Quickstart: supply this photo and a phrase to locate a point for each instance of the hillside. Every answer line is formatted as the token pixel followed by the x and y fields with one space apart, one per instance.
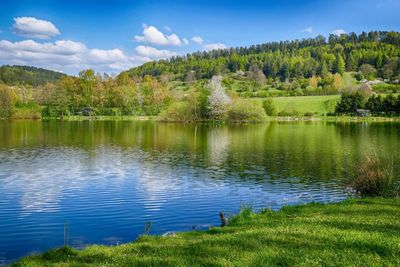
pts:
pixel 28 75
pixel 375 54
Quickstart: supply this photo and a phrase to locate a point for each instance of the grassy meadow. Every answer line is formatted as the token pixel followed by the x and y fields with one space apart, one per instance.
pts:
pixel 356 232
pixel 319 105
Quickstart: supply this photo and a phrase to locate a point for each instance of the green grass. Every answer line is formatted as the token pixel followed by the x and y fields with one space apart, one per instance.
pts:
pixel 356 232
pixel 318 105
pixel 103 118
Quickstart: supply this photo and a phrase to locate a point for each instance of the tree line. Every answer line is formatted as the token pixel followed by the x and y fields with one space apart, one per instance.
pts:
pixel 104 94
pixel 352 102
pixel 376 52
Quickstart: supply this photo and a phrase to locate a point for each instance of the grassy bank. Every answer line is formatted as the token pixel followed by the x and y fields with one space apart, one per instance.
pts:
pixel 335 118
pixel 357 232
pixel 269 118
pixel 103 118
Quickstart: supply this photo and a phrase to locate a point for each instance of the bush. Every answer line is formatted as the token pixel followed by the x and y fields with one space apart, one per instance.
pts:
pixel 110 111
pixel 6 102
pixel 178 112
pixel 386 88
pixel 285 113
pixel 246 111
pixel 372 179
pixel 349 103
pixel 27 112
pixel 269 107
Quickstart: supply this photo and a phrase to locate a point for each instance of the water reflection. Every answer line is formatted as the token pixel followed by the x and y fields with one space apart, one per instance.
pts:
pixel 108 178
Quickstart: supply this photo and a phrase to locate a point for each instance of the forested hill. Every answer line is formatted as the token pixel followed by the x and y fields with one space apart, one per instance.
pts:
pixel 28 75
pixel 289 60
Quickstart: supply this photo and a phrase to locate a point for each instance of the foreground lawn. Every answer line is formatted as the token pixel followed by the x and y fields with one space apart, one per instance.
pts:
pixel 363 232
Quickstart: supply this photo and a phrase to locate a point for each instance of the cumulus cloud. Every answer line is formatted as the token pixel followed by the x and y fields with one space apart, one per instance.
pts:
pixel 34 28
pixel 70 56
pixel 197 39
pixel 308 30
pixel 338 32
pixel 153 36
pixel 106 56
pixel 65 55
pixel 154 53
pixel 214 46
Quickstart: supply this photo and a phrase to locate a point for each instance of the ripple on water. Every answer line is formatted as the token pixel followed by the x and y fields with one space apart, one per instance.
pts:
pixel 106 180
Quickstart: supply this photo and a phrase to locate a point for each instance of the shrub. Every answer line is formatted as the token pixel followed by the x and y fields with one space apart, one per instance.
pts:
pixel 246 111
pixel 27 112
pixel 6 102
pixel 269 107
pixel 178 112
pixel 373 179
pixel 110 111
pixel 285 113
pixel 349 103
pixel 386 88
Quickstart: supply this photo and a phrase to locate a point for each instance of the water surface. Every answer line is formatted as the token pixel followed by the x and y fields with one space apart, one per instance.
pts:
pixel 106 179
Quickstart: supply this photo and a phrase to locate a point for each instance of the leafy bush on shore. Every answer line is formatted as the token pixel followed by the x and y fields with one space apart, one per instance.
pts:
pixel 178 112
pixel 27 112
pixel 269 107
pixel 245 111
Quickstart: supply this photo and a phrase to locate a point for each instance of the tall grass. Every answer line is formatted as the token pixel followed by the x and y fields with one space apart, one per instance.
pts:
pixel 373 178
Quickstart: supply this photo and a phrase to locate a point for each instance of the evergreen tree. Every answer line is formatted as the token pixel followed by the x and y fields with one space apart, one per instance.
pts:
pixel 339 66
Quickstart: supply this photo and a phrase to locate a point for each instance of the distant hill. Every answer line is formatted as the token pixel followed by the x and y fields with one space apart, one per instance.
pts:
pixel 377 52
pixel 28 75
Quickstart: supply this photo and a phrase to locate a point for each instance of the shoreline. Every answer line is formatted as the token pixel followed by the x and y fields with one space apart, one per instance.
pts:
pixel 323 233
pixel 269 119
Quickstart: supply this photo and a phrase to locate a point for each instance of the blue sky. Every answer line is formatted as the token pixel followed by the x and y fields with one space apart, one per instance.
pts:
pixel 111 36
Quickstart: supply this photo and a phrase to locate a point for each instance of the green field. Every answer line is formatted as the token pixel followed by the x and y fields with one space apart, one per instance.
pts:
pixel 357 232
pixel 318 105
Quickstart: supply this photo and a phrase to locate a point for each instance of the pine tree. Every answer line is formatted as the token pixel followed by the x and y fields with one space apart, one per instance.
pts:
pixel 339 66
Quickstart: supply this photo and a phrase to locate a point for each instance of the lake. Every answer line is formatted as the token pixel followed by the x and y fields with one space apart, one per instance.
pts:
pixel 106 179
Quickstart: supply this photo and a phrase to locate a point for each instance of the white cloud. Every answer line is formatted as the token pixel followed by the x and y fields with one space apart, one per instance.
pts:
pixel 154 53
pixel 107 56
pixel 71 56
pixel 214 46
pixel 153 36
pixel 168 29
pixel 197 39
pixel 66 55
pixel 31 51
pixel 35 28
pixel 308 30
pixel 338 32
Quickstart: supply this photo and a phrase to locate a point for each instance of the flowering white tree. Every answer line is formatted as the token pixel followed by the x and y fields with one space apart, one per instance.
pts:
pixel 218 100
